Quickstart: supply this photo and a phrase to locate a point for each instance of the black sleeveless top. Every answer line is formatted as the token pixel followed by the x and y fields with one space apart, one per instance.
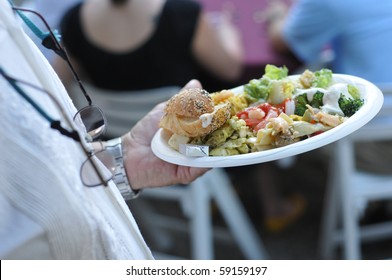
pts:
pixel 164 59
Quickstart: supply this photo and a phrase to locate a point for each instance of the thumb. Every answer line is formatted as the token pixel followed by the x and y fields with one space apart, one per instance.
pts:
pixel 193 84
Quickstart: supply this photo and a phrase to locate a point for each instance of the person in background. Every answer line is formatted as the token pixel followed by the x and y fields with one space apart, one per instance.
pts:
pixel 358 37
pixel 57 199
pixel 358 33
pixel 150 43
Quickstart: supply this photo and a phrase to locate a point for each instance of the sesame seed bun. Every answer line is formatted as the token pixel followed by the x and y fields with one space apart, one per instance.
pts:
pixel 192 113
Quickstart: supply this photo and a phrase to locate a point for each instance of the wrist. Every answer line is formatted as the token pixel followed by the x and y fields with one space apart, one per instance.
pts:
pixel 120 177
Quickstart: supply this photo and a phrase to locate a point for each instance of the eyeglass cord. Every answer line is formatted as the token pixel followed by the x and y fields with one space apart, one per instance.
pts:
pixel 50 40
pixel 53 123
pixel 34 28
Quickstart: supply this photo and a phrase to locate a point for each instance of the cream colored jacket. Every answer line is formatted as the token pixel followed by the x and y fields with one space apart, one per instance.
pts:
pixel 46 212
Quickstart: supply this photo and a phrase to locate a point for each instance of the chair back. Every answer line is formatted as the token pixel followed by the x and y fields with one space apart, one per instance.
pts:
pixel 349 189
pixel 123 109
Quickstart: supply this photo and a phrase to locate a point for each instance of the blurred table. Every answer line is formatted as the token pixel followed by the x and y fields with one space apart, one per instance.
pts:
pixel 248 16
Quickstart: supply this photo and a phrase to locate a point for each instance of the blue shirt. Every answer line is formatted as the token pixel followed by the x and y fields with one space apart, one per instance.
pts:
pixel 358 31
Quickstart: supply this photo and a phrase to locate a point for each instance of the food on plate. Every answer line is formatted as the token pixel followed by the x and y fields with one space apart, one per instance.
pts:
pixel 192 113
pixel 273 111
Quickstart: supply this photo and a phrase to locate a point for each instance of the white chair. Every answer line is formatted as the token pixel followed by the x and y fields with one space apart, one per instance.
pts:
pixel 195 201
pixel 349 190
pixel 122 111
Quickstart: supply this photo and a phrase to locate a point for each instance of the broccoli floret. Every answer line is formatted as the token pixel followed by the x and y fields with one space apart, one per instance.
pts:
pixel 349 106
pixel 317 100
pixel 302 100
pixel 300 104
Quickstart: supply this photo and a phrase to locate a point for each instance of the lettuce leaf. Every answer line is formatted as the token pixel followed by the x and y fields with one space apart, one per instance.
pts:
pixel 275 73
pixel 323 78
pixel 258 89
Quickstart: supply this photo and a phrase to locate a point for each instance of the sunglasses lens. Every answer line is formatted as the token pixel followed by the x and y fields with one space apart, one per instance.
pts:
pixel 103 161
pixel 93 120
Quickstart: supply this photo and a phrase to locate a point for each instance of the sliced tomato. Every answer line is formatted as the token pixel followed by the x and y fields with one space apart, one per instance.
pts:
pixel 263 123
pixel 243 115
pixel 252 122
pixel 260 125
pixel 256 124
pixel 266 107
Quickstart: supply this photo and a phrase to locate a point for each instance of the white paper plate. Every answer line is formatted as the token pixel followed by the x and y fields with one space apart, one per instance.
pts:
pixel 373 100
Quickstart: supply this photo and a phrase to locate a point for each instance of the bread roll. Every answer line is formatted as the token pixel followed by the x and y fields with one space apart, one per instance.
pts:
pixel 192 113
pixel 191 102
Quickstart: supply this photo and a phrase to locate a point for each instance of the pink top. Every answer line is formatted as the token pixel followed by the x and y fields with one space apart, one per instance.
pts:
pixel 249 15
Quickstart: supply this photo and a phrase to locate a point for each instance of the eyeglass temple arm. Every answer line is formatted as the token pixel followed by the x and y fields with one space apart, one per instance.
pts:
pixel 51 42
pixel 77 78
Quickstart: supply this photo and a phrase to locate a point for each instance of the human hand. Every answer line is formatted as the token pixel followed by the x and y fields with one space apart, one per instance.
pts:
pixel 275 15
pixel 275 10
pixel 227 31
pixel 143 168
